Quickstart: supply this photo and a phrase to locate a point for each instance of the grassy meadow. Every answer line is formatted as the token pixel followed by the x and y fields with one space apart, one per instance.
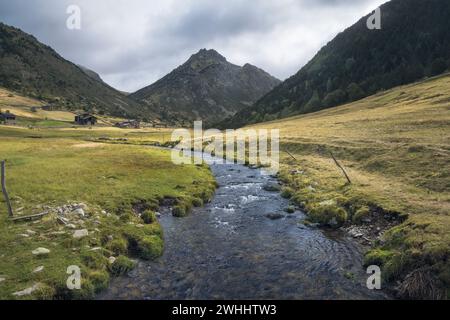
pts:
pixel 118 183
pixel 395 146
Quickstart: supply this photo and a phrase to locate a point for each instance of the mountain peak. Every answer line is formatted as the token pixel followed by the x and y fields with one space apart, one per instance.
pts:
pixel 206 87
pixel 211 54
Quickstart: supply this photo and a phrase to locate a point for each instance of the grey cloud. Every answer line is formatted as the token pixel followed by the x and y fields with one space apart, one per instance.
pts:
pixel 133 43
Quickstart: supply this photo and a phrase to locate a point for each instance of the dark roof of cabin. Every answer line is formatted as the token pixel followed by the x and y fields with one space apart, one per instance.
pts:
pixel 86 116
pixel 7 114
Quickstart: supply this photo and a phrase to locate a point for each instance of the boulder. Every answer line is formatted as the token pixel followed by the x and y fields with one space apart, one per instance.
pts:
pixel 79 212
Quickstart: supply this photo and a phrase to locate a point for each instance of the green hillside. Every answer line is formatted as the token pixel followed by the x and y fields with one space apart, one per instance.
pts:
pixel 359 62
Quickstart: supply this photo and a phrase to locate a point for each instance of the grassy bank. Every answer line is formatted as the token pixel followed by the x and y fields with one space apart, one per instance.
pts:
pixel 395 147
pixel 118 189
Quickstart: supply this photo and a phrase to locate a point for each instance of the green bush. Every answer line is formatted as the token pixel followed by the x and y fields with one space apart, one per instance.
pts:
pixel 360 214
pixel 179 211
pixel 377 257
pixel 121 266
pixel 328 215
pixel 94 260
pixel 150 247
pixel 99 279
pixel 118 246
pixel 182 209
pixel 87 291
pixel 287 192
pixel 197 202
pixel 44 292
pixel 149 217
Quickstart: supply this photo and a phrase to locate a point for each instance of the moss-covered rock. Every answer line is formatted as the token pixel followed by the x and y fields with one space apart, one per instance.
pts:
pixel 328 215
pixel 150 247
pixel 290 209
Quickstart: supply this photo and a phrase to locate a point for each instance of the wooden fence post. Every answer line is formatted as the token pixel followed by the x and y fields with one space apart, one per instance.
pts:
pixel 291 155
pixel 5 193
pixel 342 168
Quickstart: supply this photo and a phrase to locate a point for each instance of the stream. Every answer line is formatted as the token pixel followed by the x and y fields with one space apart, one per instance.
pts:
pixel 229 249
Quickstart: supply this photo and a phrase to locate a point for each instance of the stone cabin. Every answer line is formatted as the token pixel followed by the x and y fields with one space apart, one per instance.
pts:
pixel 7 117
pixel 85 119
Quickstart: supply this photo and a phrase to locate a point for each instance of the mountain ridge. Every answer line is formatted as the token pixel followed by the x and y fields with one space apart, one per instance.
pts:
pixel 359 62
pixel 206 87
pixel 36 70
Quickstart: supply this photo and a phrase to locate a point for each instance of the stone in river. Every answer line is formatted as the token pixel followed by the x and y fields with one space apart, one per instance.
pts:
pixel 272 187
pixel 274 216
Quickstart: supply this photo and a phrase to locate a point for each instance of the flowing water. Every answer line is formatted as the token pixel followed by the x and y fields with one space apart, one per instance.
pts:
pixel 229 249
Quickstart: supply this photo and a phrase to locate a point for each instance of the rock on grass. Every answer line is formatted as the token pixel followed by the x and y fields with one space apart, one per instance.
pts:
pixel 40 251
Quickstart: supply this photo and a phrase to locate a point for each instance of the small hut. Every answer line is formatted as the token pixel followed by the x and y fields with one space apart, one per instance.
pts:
pixel 7 117
pixel 85 119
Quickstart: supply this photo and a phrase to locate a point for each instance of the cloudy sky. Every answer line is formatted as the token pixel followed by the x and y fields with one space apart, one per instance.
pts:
pixel 132 43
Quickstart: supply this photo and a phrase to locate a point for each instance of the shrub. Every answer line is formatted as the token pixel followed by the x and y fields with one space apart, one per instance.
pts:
pixel 118 246
pixel 328 215
pixel 182 209
pixel 86 292
pixel 121 266
pixel 197 202
pixel 44 292
pixel 94 260
pixel 287 192
pixel 149 217
pixel 99 279
pixel 150 247
pixel 126 217
pixel 360 214
pixel 179 211
pixel 377 257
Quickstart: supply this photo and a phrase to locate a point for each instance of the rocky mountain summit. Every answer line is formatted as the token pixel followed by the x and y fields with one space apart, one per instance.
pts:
pixel 206 87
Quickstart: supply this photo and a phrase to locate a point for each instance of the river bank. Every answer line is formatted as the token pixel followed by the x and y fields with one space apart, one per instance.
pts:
pixel 245 245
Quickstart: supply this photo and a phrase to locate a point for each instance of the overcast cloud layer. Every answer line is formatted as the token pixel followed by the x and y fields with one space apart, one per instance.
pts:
pixel 132 43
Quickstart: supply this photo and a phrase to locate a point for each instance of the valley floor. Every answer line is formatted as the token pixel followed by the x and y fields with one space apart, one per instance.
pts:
pixel 395 147
pixel 101 199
